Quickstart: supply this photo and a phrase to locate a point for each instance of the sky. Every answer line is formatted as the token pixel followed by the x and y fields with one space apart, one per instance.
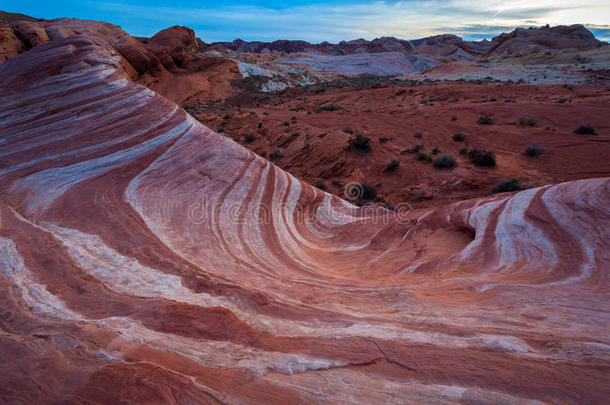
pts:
pixel 316 21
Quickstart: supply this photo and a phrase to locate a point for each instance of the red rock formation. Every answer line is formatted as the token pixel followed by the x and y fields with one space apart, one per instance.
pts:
pixel 196 78
pixel 10 44
pixel 26 34
pixel 544 39
pixel 383 44
pixel 145 258
pixel 450 47
pixel 173 46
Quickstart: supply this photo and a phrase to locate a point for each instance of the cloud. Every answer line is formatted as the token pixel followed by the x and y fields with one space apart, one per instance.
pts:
pixel 348 20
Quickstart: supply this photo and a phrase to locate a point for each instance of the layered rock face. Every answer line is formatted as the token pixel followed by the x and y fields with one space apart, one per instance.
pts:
pixel 28 34
pixel 147 259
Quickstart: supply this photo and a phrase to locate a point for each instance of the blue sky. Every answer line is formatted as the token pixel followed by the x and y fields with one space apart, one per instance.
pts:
pixel 317 21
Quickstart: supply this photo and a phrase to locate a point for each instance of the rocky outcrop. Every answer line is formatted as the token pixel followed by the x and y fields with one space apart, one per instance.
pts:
pixel 7 18
pixel 544 39
pixel 449 47
pixel 137 59
pixel 384 44
pixel 145 258
pixel 173 46
pixel 10 44
pixel 446 46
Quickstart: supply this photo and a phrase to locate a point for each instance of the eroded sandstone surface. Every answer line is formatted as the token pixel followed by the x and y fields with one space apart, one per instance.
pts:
pixel 146 259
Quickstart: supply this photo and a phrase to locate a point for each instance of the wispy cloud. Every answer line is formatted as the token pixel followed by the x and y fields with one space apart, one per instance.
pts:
pixel 348 20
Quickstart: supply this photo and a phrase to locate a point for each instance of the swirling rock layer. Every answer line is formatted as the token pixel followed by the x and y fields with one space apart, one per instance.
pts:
pixel 146 259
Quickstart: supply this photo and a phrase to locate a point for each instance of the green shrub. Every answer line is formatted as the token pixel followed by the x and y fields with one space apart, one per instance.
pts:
pixel 459 137
pixel 482 157
pixel 509 185
pixel 366 191
pixel 415 149
pixel 249 138
pixel 485 121
pixel 526 122
pixel 585 130
pixel 445 162
pixel 534 150
pixel 423 156
pixel 328 108
pixel 276 154
pixel 361 143
pixel 392 165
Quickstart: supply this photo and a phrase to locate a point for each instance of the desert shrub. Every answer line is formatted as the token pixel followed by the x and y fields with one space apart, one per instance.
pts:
pixel 286 123
pixel 454 118
pixel 444 162
pixel 464 151
pixel 348 130
pixel 509 185
pixel 337 183
pixel 436 151
pixel 368 192
pixel 458 137
pixel 361 143
pixel 328 108
pixel 533 150
pixel 423 156
pixel 392 165
pixel 249 138
pixel 415 149
pixel 417 135
pixel 482 157
pixel 260 124
pixel 276 154
pixel 526 122
pixel 321 186
pixel 585 130
pixel 485 121
pixel 562 100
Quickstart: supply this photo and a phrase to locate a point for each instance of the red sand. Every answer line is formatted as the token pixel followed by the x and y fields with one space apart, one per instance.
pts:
pixel 320 153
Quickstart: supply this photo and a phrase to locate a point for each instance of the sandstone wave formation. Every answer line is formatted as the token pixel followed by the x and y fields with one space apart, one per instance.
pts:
pixel 146 259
